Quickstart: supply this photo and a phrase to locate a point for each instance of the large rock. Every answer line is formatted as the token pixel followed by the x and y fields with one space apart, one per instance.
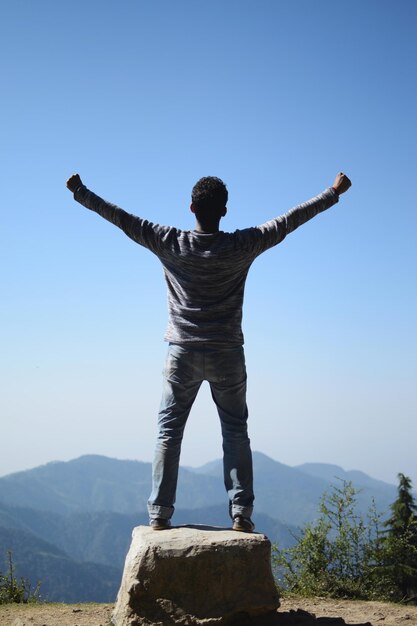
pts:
pixel 194 575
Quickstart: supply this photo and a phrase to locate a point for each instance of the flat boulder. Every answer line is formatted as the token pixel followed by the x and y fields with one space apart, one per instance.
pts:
pixel 195 575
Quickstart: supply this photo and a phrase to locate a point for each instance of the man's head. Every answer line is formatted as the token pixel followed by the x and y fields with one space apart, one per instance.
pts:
pixel 208 199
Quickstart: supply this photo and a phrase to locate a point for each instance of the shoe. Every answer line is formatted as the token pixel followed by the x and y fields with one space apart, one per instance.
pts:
pixel 243 524
pixel 160 523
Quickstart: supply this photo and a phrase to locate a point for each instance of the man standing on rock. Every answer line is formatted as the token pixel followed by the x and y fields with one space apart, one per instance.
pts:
pixel 205 271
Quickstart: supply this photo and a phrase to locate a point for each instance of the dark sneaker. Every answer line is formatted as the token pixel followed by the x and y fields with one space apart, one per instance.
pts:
pixel 243 524
pixel 160 523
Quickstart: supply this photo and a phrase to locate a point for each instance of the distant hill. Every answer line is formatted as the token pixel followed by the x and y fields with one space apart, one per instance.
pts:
pixel 62 578
pixel 41 543
pixel 105 537
pixel 331 473
pixel 369 488
pixel 89 483
pixel 96 483
pixel 69 524
pixel 102 537
pixel 292 494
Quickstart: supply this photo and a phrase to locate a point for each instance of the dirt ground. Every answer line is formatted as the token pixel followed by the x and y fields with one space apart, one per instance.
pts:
pixel 293 612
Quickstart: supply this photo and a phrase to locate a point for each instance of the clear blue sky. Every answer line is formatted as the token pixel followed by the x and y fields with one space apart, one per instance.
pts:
pixel 142 98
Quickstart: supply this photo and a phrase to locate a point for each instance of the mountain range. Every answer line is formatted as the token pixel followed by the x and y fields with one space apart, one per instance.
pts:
pixel 69 524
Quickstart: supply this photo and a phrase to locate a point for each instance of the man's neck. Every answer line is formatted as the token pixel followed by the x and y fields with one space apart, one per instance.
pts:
pixel 207 229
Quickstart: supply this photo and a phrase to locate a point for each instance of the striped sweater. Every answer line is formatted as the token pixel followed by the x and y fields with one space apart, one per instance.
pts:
pixel 206 273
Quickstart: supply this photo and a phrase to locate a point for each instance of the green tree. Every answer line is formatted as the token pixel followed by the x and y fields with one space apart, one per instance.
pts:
pixel 335 556
pixel 399 544
pixel 403 510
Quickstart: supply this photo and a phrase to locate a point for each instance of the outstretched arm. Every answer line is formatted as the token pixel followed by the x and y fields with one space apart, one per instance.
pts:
pixel 143 232
pixel 273 232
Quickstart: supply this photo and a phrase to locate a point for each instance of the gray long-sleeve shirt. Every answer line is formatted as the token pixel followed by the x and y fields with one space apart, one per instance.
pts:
pixel 206 272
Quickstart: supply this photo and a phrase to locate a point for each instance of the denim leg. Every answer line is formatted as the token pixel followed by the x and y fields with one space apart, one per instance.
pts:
pixel 180 387
pixel 228 389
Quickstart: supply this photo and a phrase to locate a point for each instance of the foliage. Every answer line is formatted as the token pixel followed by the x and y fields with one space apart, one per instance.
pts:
pixel 341 555
pixel 335 556
pixel 399 544
pixel 403 510
pixel 13 590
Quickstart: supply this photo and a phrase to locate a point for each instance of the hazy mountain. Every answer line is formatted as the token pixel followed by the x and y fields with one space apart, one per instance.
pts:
pixel 102 537
pixel 292 494
pixel 79 557
pixel 62 578
pixel 98 483
pixel 95 483
pixel 105 537
pixel 69 524
pixel 368 488
pixel 330 473
pixel 89 483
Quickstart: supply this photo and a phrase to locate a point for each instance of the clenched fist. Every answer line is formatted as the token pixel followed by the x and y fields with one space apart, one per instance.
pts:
pixel 341 183
pixel 73 182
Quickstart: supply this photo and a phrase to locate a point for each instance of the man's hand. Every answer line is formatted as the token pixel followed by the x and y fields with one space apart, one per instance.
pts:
pixel 341 183
pixel 74 182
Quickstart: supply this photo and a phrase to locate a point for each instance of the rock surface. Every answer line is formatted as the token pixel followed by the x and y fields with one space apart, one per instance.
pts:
pixel 192 575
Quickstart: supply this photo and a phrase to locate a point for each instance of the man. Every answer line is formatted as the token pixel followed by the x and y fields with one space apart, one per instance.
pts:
pixel 205 271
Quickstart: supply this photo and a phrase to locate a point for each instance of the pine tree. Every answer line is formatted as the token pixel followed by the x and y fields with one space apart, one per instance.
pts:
pixel 403 510
pixel 400 543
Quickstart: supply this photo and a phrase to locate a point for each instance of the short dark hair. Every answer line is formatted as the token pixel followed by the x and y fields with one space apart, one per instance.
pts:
pixel 209 193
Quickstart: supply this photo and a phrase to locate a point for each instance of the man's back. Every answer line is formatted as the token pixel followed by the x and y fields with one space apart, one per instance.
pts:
pixel 205 273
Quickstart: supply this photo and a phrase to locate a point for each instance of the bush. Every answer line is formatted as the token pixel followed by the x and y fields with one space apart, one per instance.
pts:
pixel 335 556
pixel 342 556
pixel 12 590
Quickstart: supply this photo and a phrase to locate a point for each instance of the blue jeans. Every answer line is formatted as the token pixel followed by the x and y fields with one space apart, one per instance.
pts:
pixel 185 369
